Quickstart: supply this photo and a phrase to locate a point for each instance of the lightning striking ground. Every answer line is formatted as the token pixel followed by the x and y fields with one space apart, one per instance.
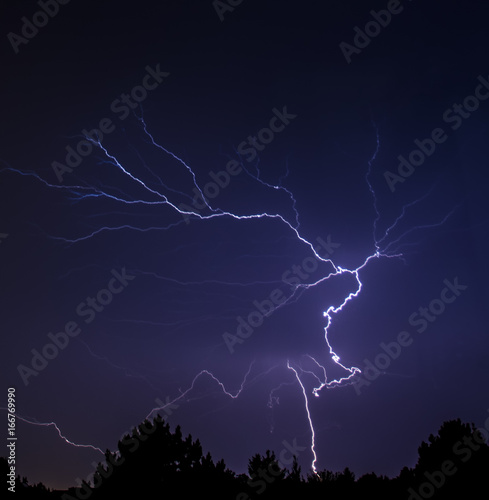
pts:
pixel 155 197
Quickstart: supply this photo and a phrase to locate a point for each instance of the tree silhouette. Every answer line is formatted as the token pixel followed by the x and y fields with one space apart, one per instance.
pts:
pixel 24 490
pixel 453 464
pixel 152 461
pixel 265 475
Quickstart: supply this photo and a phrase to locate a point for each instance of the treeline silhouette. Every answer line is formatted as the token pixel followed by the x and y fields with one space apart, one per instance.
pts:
pixel 154 462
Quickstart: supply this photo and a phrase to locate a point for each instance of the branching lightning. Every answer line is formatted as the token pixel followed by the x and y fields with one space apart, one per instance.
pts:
pixel 213 377
pixel 382 249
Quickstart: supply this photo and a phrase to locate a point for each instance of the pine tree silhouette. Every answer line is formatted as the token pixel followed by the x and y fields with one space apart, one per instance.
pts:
pixel 454 464
pixel 152 461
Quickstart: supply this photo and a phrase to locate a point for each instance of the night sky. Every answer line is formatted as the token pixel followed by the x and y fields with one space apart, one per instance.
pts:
pixel 350 131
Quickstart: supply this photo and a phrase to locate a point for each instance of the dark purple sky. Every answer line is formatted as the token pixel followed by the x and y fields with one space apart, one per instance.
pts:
pixel 309 127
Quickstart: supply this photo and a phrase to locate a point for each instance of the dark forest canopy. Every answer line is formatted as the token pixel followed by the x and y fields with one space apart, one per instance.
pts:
pixel 155 461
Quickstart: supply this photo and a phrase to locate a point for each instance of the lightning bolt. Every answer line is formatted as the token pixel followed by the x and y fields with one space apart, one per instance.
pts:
pixel 53 424
pixel 311 426
pixel 200 374
pixel 159 197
